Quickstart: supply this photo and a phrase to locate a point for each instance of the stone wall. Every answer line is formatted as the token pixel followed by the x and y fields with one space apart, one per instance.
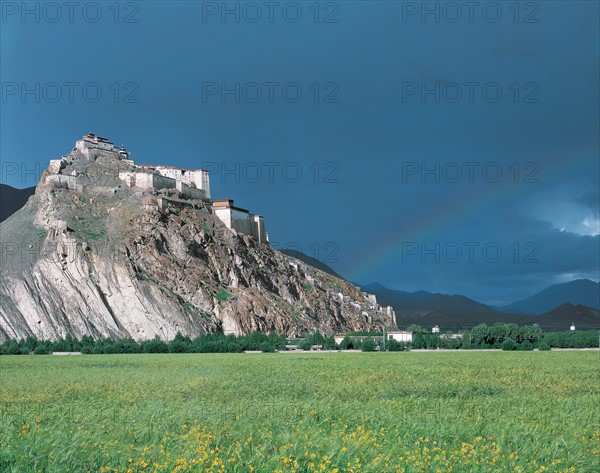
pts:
pixel 55 166
pixel 62 181
pixel 242 222
pixel 198 179
pixel 188 192
pixel 145 180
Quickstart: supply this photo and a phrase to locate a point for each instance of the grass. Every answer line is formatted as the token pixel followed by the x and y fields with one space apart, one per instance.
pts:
pixel 222 295
pixel 327 412
pixel 142 275
pixel 187 306
pixel 90 235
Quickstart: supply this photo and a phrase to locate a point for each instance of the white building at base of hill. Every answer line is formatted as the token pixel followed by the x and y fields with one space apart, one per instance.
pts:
pixel 400 336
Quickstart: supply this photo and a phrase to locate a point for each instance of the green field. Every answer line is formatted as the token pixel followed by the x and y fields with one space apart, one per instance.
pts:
pixel 307 412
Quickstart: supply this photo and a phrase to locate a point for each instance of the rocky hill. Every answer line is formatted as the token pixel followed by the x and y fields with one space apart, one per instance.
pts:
pixel 88 255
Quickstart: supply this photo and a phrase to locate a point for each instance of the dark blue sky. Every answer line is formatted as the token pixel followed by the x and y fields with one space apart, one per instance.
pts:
pixel 447 150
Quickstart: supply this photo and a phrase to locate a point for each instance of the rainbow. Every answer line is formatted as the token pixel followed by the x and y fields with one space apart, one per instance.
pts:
pixel 390 249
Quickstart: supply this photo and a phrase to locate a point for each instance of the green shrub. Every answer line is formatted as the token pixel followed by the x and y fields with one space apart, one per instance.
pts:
pixel 329 344
pixel 418 341
pixel 11 348
pixel 87 344
pixel 509 345
pixel 525 346
pixel 369 345
pixel 212 346
pixel 155 346
pixel 69 343
pixel 127 345
pixel 432 341
pixel 233 347
pixel 278 341
pixel 179 344
pixel 40 349
pixel 543 346
pixel 29 344
pixel 106 347
pixel 572 339
pixel 267 347
pixel 207 229
pixel 394 345
pixel 222 295
pixel 253 341
pixel 312 339
pixel 177 347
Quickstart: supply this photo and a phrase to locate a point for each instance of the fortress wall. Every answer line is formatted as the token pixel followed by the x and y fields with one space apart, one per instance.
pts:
pixel 104 146
pixel 223 214
pixel 188 192
pixel 259 229
pixel 62 181
pixel 242 222
pixel 55 165
pixel 128 178
pixel 202 181
pixel 171 173
pixel 100 190
pixel 162 182
pixel 145 180
pixel 198 179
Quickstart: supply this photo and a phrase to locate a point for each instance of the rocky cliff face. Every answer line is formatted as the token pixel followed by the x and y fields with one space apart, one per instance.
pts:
pixel 108 261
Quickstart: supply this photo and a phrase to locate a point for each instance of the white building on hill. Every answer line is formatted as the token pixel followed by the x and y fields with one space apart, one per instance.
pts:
pixel 190 184
pixel 240 220
pixel 91 144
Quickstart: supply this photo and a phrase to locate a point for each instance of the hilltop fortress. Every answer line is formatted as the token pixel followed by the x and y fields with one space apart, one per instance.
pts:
pixel 109 248
pixel 185 185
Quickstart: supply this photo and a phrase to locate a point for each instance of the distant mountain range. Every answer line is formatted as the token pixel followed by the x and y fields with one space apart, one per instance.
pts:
pixel 455 311
pixel 553 308
pixel 12 199
pixel 580 315
pixel 427 300
pixel 578 292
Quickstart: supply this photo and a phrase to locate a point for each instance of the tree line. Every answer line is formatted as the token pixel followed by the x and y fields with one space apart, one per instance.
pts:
pixel 208 343
pixel 504 336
